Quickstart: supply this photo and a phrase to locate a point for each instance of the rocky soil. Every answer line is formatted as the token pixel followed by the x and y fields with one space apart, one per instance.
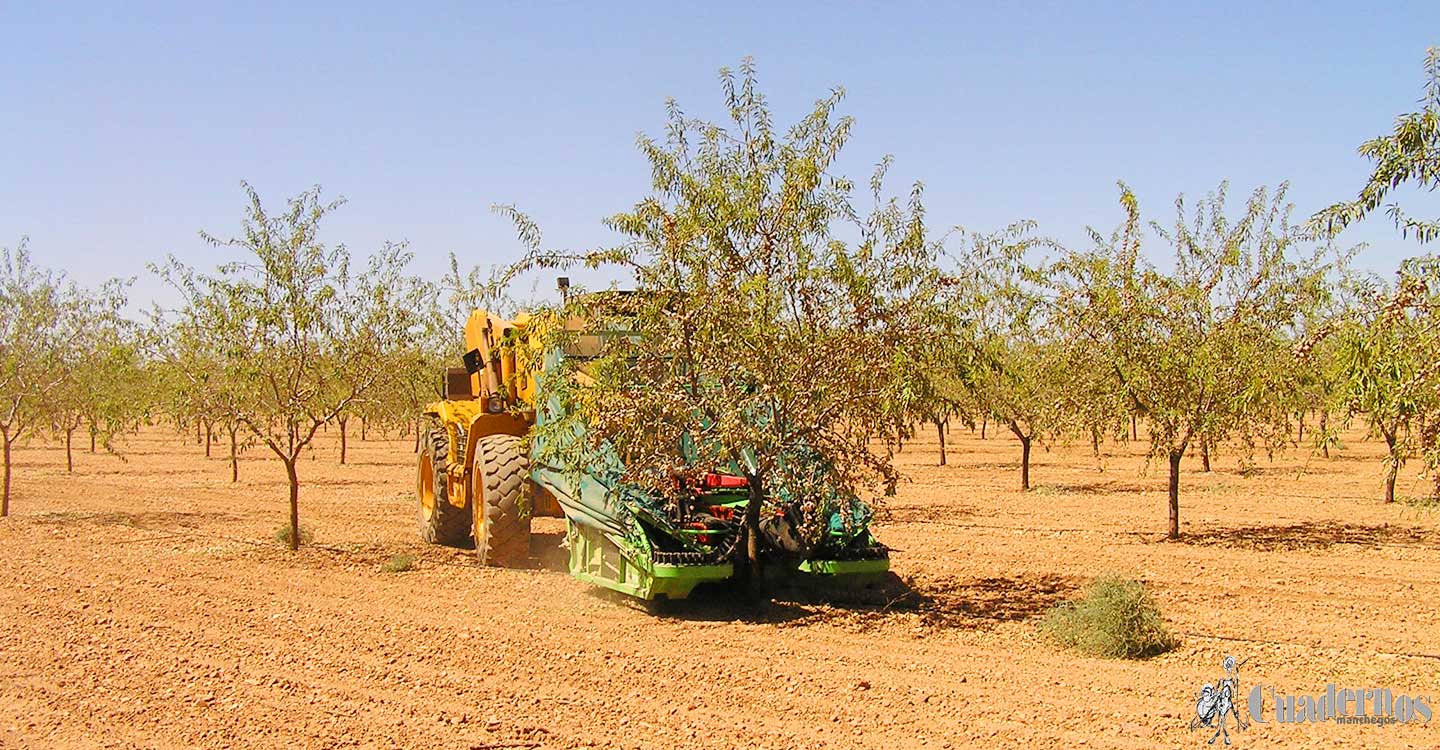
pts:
pixel 143 604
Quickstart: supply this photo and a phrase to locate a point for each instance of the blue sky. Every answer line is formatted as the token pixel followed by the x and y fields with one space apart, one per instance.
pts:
pixel 126 128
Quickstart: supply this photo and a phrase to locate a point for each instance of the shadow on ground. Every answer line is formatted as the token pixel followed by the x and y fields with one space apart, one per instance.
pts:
pixel 1098 487
pixel 407 460
pixel 1005 467
pixel 979 602
pixel 949 603
pixel 1313 536
pixel 157 520
pixel 799 599
pixel 925 513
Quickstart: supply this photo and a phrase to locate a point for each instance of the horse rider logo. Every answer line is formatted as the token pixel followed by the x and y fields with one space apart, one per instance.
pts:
pixel 1217 703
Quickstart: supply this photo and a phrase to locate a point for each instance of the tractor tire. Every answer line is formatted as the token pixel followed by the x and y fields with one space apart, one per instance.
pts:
pixel 441 522
pixel 502 507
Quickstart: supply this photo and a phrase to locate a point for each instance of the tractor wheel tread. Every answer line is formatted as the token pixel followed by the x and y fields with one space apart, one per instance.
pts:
pixel 502 536
pixel 448 524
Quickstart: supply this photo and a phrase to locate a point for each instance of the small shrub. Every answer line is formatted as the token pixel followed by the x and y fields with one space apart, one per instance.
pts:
pixel 1116 618
pixel 398 564
pixel 282 535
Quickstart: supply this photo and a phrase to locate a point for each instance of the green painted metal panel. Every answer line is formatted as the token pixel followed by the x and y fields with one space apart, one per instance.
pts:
pixel 597 558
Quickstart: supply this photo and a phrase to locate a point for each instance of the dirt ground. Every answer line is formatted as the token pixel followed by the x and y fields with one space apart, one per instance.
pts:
pixel 144 604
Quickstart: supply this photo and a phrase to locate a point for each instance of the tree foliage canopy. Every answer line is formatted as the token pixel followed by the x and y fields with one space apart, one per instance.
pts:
pixel 1410 154
pixel 297 337
pixel 1202 347
pixel 780 325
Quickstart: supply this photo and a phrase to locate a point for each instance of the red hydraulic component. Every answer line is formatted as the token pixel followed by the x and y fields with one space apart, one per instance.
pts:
pixel 699 526
pixel 722 512
pixel 714 481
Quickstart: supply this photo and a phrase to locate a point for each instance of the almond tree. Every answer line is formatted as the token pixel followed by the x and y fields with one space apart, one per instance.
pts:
pixel 1204 348
pixel 202 385
pixel 382 301
pixel 1092 399
pixel 1020 370
pixel 1321 379
pixel 940 388
pixel 100 367
pixel 304 337
pixel 1380 364
pixel 443 309
pixel 773 344
pixel 942 392
pixel 34 302
pixel 1407 157
pixel 120 397
pixel 413 382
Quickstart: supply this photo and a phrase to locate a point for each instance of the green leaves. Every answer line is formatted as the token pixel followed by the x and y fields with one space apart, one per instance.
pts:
pixel 1384 381
pixel 289 337
pixel 66 356
pixel 101 365
pixel 1406 155
pixel 302 338
pixel 1190 343
pixel 776 324
pixel 35 306
pixel 1204 348
pixel 1019 372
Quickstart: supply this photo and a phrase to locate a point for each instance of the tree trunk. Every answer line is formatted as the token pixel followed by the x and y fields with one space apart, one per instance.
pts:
pixel 1394 470
pixel 69 454
pixel 1301 435
pixel 92 437
pixel 1205 455
pixel 294 503
pixel 1175 456
pixel 1025 464
pixel 940 430
pixel 417 436
pixel 343 421
pixel 1134 427
pixel 234 455
pixel 1095 441
pixel 983 422
pixel 209 436
pixel 5 503
pixel 363 426
pixel 198 436
pixel 1024 454
pixel 755 580
pixel 1325 433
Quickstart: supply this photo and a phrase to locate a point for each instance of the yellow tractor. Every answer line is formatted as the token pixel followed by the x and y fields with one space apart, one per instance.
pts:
pixel 473 479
